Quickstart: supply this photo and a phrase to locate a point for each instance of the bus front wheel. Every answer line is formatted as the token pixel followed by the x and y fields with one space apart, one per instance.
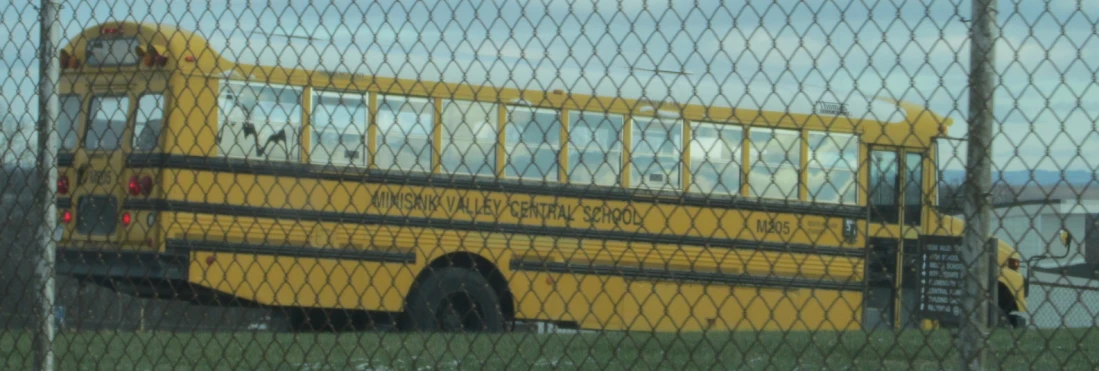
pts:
pixel 451 300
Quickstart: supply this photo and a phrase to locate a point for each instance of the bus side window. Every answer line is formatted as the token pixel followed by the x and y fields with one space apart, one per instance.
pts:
pixel 655 153
pixel 469 138
pixel 148 124
pixel 832 165
pixel 279 123
pixel 774 163
pixel 260 121
pixel 715 158
pixel 404 138
pixel 532 142
pixel 339 129
pixel 595 148
pixel 231 119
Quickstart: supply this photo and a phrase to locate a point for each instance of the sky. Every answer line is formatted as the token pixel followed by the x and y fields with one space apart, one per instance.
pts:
pixel 1046 104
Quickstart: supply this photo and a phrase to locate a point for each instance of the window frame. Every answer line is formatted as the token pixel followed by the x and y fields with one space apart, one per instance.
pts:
pixel 134 42
pixel 295 152
pixel 675 181
pixel 736 154
pixel 619 140
pixel 163 120
pixel 552 175
pixel 754 160
pixel 121 143
pixel 491 167
pixel 316 97
pixel 374 128
pixel 76 122
pixel 891 213
pixel 918 214
pixel 813 162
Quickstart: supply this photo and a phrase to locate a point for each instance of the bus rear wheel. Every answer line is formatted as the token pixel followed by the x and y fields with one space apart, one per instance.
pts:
pixel 453 300
pixel 1011 320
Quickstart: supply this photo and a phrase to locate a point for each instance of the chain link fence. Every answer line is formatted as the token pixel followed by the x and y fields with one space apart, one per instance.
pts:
pixel 624 184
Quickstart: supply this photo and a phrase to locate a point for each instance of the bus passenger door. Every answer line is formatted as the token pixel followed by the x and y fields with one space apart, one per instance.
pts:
pixel 912 215
pixel 879 299
pixel 892 282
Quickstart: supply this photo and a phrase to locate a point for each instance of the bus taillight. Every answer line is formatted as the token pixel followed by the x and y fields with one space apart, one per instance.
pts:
pixel 63 184
pixel 134 186
pixel 146 185
pixel 126 219
pixel 66 217
pixel 140 186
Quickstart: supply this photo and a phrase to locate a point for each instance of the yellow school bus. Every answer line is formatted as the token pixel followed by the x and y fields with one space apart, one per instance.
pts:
pixel 436 204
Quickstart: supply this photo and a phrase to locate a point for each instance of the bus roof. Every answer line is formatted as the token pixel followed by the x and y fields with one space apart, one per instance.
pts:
pixel 238 53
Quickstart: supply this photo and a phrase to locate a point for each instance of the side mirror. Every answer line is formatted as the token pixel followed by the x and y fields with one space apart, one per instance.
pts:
pixel 1066 238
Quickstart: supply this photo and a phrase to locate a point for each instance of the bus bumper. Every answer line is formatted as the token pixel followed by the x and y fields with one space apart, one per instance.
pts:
pixel 142 274
pixel 131 266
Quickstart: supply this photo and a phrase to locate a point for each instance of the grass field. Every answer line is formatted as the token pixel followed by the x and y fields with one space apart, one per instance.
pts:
pixel 1076 349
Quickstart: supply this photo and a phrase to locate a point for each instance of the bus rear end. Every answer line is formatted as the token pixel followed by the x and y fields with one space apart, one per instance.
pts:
pixel 113 108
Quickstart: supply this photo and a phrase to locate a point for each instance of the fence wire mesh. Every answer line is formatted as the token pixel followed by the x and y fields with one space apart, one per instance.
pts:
pixel 471 184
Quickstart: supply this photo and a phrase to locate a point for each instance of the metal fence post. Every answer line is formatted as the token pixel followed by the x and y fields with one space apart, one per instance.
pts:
pixel 45 196
pixel 982 83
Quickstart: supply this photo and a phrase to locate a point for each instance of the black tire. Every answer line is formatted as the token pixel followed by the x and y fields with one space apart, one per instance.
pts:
pixel 451 300
pixel 297 320
pixel 1009 320
pixel 1016 321
pixel 319 320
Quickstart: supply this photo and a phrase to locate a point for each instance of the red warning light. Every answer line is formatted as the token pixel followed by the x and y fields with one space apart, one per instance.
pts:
pixel 140 186
pixel 63 184
pixel 134 186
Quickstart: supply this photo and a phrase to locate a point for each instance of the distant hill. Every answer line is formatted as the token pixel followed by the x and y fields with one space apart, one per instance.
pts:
pixel 1032 177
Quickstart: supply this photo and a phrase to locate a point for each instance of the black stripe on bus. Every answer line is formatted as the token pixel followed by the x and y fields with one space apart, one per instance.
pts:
pixel 188 246
pixel 329 216
pixel 466 182
pixel 683 275
pixel 65 159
